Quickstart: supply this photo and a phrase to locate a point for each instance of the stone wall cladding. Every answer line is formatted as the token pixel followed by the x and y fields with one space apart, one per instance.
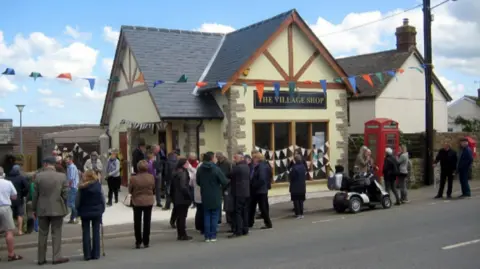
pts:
pixel 233 129
pixel 190 129
pixel 342 127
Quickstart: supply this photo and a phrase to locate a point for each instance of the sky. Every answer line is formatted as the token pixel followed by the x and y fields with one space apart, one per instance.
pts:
pixel 80 38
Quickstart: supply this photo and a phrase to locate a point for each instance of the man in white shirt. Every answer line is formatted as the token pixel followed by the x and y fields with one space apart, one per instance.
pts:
pixel 7 226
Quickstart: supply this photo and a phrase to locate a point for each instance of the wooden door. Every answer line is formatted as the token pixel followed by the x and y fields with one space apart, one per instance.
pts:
pixel 124 151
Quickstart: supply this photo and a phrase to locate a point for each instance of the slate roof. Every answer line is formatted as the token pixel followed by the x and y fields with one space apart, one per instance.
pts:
pixel 370 64
pixel 240 45
pixel 164 54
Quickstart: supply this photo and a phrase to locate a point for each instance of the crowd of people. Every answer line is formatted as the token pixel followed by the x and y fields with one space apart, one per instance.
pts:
pixel 209 184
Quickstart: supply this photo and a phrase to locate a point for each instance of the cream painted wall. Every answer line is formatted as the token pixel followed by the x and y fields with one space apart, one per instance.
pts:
pixel 256 71
pixel 213 136
pixel 361 111
pixel 130 66
pixel 404 101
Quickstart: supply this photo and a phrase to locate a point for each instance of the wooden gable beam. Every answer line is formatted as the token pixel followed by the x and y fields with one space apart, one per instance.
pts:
pixel 323 51
pixel 290 52
pixel 276 64
pixel 257 53
pixel 306 65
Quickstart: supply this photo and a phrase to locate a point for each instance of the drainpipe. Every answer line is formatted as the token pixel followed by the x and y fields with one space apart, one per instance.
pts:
pixel 198 137
pixel 107 132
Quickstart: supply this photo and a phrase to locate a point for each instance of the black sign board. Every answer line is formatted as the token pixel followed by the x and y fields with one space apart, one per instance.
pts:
pixel 299 100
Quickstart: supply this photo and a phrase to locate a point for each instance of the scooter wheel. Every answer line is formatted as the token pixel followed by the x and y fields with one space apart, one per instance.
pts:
pixel 386 202
pixel 355 205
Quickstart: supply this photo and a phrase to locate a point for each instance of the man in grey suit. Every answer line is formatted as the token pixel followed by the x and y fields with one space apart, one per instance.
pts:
pixel 49 205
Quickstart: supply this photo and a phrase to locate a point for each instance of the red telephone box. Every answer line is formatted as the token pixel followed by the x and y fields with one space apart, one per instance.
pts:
pixel 472 144
pixel 380 134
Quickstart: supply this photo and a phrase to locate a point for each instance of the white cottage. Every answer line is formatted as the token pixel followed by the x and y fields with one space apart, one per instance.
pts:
pixel 401 98
pixel 467 107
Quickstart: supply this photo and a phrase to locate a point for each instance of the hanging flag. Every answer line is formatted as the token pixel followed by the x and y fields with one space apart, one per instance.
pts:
pixel 368 79
pixel 278 163
pixel 290 148
pixel 323 169
pixel 379 76
pixel 245 87
pixel 326 156
pixel 400 70
pixel 140 79
pixel 285 162
pixel 277 153
pixel 392 73
pixel 284 152
pixel 323 82
pixel 291 87
pixel 220 84
pixel 424 66
pixel 183 79
pixel 91 82
pixel 416 68
pixel 276 89
pixel 35 75
pixel 311 174
pixel 353 82
pixel 309 163
pixel 270 154
pixel 158 82
pixel 260 87
pixel 308 82
pixel 338 80
pixel 201 84
pixel 65 76
pixel 114 79
pixel 271 164
pixel 9 71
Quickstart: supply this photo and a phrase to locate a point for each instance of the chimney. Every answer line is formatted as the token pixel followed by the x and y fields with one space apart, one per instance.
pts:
pixel 406 36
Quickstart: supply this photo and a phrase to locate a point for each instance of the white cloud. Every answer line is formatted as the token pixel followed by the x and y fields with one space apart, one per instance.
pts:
pixel 107 65
pixel 110 35
pixel 2 110
pixel 53 102
pixel 215 28
pixel 90 95
pixel 456 90
pixel 40 53
pixel 45 91
pixel 6 85
pixel 76 34
pixel 24 88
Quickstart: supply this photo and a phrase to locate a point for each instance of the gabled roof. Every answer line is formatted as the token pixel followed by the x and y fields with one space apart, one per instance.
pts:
pixel 380 62
pixel 163 54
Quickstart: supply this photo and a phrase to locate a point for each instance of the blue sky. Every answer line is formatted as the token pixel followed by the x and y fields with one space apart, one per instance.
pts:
pixel 88 46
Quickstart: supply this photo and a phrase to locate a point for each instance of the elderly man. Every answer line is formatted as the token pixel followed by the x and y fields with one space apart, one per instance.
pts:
pixel 390 172
pixel 94 163
pixel 49 205
pixel 465 161
pixel 7 226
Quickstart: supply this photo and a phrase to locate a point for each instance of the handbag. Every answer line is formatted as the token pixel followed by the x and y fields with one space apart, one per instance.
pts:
pixel 128 200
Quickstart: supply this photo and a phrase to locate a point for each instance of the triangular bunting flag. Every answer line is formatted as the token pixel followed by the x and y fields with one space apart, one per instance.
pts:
pixel 271 163
pixel 201 84
pixel 309 163
pixel 140 78
pixel 35 75
pixel 80 149
pixel 368 79
pixel 400 70
pixel 323 169
pixel 310 174
pixel 380 77
pixel 316 172
pixel 260 86
pixel 270 153
pixel 323 82
pixel 91 82
pixel 9 71
pixel 291 87
pixel 290 148
pixel 327 144
pixel 416 68
pixel 290 159
pixel 308 82
pixel 278 163
pixel 392 74
pixel 303 151
pixel 261 151
pixel 315 164
pixel 56 147
pixel 75 147
pixel 220 84
pixel 285 151
pixel 245 87
pixel 322 148
pixel 326 156
pixel 276 89
pixel 338 80
pixel 353 82
pixel 285 162
pixel 257 148
pixel 85 154
pixel 158 82
pixel 183 79
pixel 65 76
pixel 309 151
pixel 277 153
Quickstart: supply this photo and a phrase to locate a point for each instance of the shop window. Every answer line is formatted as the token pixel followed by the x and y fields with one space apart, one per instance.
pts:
pixel 263 136
pixel 302 136
pixel 282 141
pixel 319 151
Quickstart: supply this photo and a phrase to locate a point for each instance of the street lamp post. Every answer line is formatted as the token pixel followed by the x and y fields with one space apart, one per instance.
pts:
pixel 20 109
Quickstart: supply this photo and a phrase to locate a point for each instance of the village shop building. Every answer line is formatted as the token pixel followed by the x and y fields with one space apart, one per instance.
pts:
pixel 279 53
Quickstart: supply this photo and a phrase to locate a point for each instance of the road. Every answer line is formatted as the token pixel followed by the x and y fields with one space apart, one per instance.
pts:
pixel 426 234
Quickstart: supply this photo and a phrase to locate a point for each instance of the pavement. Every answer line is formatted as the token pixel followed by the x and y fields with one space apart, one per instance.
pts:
pixel 280 208
pixel 426 233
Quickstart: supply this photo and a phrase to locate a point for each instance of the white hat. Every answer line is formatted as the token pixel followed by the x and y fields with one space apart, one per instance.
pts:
pixel 389 151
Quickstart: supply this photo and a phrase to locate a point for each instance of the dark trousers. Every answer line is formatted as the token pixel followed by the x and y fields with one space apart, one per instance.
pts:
pixel 138 211
pixel 240 220
pixel 158 189
pixel 199 222
pixel 168 198
pixel 463 178
pixel 262 201
pixel 113 188
pixel 173 216
pixel 182 211
pixel 91 247
pixel 446 177
pixel 298 207
pixel 390 186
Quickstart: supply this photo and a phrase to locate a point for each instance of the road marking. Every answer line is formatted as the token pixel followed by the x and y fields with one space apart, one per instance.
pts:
pixel 432 203
pixel 327 220
pixel 461 244
pixel 447 201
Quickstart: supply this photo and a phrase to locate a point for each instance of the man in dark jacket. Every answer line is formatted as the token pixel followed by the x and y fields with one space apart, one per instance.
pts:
pixel 464 164
pixel 160 160
pixel 170 166
pixel 211 181
pixel 240 191
pixel 390 172
pixel 18 205
pixel 138 154
pixel 226 167
pixel 260 184
pixel 447 158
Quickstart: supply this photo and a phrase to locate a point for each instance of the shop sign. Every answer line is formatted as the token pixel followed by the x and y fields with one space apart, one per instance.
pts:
pixel 300 100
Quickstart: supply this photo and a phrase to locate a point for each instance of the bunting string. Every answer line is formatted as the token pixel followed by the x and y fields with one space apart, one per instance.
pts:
pixel 220 84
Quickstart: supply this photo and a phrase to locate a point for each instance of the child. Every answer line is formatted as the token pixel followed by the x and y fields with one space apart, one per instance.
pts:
pixel 335 181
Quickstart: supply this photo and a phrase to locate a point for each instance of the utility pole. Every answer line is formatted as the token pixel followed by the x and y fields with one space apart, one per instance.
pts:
pixel 427 36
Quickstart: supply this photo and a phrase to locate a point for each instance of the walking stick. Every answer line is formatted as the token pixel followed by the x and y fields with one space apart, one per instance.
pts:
pixel 103 242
